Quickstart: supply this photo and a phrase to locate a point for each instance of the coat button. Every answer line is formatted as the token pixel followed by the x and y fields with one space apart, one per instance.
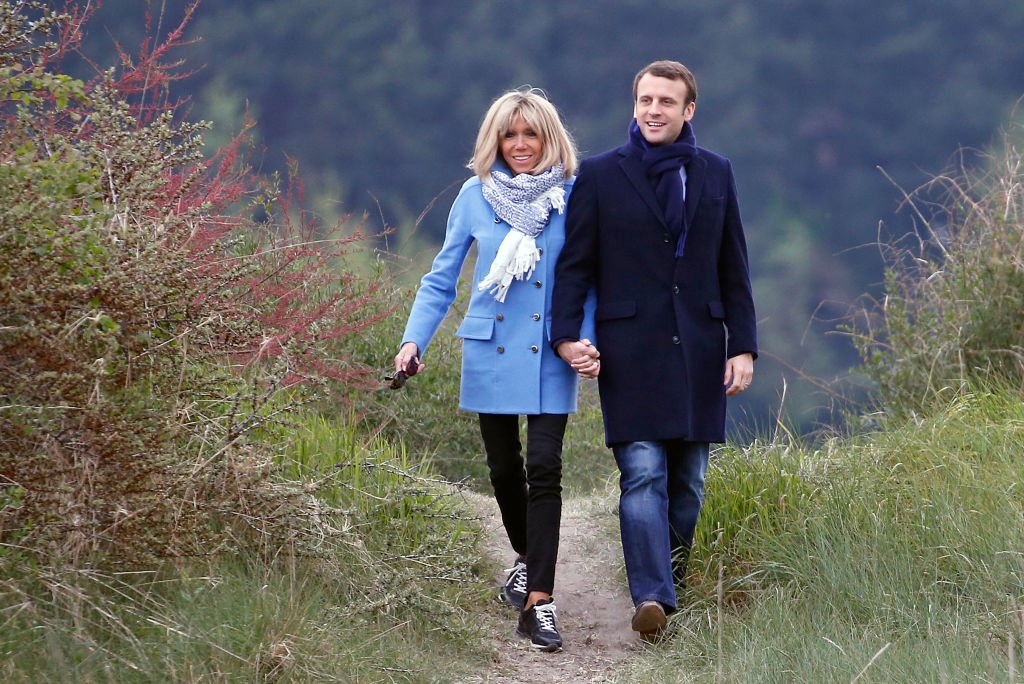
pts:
pixel 536 283
pixel 497 219
pixel 535 316
pixel 500 317
pixel 501 350
pixel 665 237
pixel 534 349
pixel 540 250
pixel 675 289
pixel 675 339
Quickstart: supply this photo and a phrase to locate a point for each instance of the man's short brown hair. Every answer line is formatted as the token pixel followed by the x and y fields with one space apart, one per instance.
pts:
pixel 675 71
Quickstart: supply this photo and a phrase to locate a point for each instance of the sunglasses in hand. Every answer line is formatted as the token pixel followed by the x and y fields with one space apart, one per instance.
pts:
pixel 398 379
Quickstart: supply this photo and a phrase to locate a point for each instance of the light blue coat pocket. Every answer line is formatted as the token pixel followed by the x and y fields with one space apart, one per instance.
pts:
pixel 476 328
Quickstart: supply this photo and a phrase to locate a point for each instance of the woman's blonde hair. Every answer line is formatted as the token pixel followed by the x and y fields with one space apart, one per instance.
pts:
pixel 533 106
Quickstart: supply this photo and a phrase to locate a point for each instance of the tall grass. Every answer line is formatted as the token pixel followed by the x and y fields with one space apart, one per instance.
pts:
pixel 383 596
pixel 897 557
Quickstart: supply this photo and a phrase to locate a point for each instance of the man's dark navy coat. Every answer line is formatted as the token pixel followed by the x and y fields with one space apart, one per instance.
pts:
pixel 665 325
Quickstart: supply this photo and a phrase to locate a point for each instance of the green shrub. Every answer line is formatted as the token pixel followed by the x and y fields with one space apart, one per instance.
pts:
pixel 953 308
pixel 167 512
pixel 148 325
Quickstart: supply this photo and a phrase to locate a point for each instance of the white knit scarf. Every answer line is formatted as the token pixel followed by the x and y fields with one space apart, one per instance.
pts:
pixel 525 202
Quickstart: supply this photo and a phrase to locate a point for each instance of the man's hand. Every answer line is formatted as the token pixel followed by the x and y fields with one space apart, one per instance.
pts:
pixel 739 371
pixel 582 356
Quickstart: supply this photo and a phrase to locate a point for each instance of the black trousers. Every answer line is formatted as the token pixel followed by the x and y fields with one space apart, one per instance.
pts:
pixel 530 500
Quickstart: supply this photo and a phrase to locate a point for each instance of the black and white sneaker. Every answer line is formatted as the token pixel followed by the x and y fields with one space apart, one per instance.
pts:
pixel 513 592
pixel 538 623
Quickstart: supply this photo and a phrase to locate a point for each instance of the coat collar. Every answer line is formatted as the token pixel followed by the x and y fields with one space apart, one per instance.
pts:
pixel 633 168
pixel 694 185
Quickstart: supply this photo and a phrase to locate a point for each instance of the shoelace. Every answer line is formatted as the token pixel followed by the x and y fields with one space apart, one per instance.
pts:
pixel 545 617
pixel 518 577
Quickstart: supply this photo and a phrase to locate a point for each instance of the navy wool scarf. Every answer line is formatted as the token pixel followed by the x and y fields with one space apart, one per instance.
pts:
pixel 662 164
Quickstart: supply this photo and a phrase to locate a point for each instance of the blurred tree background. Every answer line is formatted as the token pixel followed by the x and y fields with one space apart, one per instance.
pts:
pixel 379 103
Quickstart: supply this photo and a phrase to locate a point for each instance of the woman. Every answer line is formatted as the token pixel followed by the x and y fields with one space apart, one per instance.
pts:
pixel 524 161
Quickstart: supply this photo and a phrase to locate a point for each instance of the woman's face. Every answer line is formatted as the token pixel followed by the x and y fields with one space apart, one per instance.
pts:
pixel 521 147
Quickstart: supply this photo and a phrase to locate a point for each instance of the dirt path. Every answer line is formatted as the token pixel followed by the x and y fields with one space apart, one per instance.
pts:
pixel 593 603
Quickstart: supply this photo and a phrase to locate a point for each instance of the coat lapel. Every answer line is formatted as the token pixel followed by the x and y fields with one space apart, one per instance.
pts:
pixel 694 185
pixel 634 171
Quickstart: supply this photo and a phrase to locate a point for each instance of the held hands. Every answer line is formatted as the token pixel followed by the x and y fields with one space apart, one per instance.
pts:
pixel 739 371
pixel 582 356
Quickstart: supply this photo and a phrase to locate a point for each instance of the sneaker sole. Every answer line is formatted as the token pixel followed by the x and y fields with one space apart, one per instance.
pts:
pixel 546 648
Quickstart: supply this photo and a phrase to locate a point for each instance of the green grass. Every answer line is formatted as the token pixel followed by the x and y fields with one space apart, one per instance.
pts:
pixel 893 557
pixel 897 557
pixel 383 595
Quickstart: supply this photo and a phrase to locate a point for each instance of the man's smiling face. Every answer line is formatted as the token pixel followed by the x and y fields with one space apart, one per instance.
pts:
pixel 661 108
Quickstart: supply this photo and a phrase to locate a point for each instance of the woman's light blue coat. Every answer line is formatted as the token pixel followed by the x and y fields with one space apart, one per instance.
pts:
pixel 508 365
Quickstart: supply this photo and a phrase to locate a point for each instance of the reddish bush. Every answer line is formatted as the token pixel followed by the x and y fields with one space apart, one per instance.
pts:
pixel 149 324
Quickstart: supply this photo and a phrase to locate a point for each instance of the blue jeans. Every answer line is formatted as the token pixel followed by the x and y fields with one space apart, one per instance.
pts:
pixel 662 488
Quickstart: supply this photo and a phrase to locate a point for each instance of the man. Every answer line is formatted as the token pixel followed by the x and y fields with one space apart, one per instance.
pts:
pixel 654 226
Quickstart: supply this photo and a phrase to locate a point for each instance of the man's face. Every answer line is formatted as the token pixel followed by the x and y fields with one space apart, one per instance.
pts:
pixel 659 109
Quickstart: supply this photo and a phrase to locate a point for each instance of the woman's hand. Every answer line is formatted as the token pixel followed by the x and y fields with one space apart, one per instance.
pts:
pixel 582 356
pixel 408 355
